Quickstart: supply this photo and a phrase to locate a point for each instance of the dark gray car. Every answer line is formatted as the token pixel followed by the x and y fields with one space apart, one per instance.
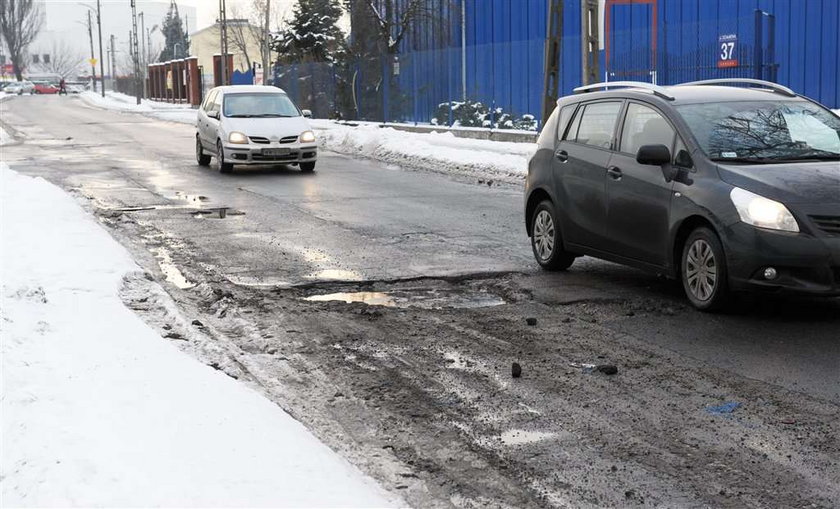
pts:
pixel 726 188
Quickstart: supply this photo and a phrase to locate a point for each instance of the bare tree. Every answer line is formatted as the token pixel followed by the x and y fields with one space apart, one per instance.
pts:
pixel 395 20
pixel 20 23
pixel 245 36
pixel 64 60
pixel 241 35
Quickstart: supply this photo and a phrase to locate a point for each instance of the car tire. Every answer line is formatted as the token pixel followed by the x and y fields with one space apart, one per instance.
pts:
pixel 202 158
pixel 307 167
pixel 703 271
pixel 223 166
pixel 546 241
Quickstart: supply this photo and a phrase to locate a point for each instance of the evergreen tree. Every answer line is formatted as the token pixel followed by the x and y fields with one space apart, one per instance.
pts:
pixel 177 43
pixel 312 34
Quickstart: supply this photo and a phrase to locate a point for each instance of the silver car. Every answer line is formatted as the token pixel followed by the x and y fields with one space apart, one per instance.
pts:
pixel 20 88
pixel 246 124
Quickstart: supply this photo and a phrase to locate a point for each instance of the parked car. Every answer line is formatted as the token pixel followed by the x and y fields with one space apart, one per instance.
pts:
pixel 75 88
pixel 20 88
pixel 726 185
pixel 42 87
pixel 245 125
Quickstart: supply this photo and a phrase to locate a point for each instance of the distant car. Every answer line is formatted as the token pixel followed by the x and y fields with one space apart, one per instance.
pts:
pixel 74 88
pixel 20 87
pixel 248 125
pixel 45 88
pixel 724 188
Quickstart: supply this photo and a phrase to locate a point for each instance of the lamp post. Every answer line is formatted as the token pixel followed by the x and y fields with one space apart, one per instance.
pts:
pixel 99 29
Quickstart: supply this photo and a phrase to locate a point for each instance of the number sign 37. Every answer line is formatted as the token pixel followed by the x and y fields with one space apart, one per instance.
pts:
pixel 727 57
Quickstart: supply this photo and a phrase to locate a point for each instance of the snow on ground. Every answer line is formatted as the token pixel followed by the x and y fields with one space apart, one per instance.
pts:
pixel 182 113
pixel 99 410
pixel 443 152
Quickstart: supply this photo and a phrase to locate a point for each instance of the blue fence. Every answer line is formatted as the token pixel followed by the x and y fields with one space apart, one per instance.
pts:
pixel 794 42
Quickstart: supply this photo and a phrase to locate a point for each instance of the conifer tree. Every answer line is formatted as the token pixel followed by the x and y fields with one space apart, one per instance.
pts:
pixel 177 43
pixel 313 34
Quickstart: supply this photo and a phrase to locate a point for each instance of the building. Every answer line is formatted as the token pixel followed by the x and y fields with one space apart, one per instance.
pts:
pixel 242 44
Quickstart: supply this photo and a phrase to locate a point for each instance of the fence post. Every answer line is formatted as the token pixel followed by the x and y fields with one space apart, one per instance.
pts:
pixel 771 47
pixel 759 40
pixel 386 89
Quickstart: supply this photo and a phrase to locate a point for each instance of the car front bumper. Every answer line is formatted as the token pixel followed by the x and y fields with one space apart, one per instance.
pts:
pixel 274 153
pixel 805 264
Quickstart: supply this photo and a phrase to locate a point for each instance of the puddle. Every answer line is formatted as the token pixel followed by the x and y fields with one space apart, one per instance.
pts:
pixel 417 298
pixel 369 298
pixel 172 273
pixel 192 198
pixel 336 275
pixel 522 437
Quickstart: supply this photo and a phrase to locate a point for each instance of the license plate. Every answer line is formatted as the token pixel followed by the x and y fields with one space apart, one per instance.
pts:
pixel 275 151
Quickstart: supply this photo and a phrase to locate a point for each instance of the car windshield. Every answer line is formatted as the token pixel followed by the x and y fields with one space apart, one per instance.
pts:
pixel 259 105
pixel 764 131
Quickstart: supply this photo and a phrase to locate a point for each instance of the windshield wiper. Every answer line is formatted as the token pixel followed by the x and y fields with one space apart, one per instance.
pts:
pixel 746 160
pixel 240 116
pixel 272 115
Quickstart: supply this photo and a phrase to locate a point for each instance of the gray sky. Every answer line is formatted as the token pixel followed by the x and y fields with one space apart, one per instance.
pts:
pixel 208 10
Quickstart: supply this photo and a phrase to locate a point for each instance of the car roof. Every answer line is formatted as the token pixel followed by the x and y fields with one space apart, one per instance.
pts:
pixel 244 89
pixel 692 94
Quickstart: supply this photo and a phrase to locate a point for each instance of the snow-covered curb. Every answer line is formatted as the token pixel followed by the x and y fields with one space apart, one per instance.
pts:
pixel 98 410
pixel 181 113
pixel 442 152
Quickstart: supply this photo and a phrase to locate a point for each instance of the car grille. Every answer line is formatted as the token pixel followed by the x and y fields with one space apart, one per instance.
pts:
pixel 259 139
pixel 265 141
pixel 828 224
pixel 288 139
pixel 291 156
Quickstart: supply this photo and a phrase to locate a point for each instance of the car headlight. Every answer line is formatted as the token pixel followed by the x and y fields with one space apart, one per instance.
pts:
pixel 307 137
pixel 762 212
pixel 238 138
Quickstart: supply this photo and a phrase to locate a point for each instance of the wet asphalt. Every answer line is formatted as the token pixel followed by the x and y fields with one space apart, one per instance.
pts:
pixel 359 220
pixel 420 397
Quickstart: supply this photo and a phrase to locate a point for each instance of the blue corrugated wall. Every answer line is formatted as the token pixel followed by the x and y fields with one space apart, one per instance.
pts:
pixel 505 48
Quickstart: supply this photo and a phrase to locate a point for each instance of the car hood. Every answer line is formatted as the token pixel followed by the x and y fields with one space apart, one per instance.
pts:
pixel 806 182
pixel 267 127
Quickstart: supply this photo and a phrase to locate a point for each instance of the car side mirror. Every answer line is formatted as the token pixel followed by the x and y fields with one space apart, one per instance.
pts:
pixel 653 155
pixel 213 114
pixel 307 113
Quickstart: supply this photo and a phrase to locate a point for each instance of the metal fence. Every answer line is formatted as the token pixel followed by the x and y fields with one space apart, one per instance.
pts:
pixel 500 85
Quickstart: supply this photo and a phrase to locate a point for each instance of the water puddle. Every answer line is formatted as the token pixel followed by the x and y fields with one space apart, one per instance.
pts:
pixel 335 275
pixel 192 198
pixel 172 273
pixel 416 298
pixel 522 437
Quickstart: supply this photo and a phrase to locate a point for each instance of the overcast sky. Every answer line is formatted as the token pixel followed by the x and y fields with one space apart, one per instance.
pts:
pixel 207 11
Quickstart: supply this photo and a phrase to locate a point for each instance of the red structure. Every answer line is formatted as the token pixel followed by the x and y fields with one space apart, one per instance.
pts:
pixel 217 72
pixel 176 81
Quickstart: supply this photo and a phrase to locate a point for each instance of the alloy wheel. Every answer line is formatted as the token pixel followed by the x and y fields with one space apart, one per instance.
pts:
pixel 544 235
pixel 701 270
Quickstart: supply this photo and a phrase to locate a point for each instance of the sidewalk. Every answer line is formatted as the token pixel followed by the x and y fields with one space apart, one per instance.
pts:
pixel 99 410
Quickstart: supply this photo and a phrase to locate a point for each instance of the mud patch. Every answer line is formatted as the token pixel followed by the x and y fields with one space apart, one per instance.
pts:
pixel 172 273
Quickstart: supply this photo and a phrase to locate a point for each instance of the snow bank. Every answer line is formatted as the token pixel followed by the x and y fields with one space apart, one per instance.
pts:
pixel 180 113
pixel 442 152
pixel 99 410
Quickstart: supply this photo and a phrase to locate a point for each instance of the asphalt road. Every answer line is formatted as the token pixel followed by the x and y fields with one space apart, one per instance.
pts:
pixel 360 225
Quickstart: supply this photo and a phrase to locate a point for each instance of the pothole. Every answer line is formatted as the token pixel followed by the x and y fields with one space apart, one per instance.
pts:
pixel 192 198
pixel 415 298
pixel 170 271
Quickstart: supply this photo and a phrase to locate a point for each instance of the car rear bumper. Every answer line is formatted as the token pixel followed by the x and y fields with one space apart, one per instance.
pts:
pixel 288 154
pixel 805 264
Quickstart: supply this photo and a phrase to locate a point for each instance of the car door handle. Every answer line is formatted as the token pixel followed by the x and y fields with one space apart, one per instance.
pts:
pixel 614 172
pixel 562 156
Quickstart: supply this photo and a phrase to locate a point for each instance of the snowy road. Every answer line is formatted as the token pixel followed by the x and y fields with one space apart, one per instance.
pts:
pixel 423 400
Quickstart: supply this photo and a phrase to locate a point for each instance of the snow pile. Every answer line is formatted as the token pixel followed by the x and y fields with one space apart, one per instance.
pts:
pixel 441 152
pixel 837 112
pixel 5 138
pixel 99 410
pixel 181 113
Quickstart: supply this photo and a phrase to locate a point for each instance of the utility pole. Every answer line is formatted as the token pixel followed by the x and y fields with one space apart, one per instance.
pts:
pixel 144 64
pixel 553 58
pixel 92 55
pixel 223 41
pixel 135 53
pixel 266 56
pixel 589 42
pixel 101 56
pixel 113 65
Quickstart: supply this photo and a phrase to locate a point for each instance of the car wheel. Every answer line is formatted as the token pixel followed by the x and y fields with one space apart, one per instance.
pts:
pixel 202 158
pixel 546 240
pixel 307 167
pixel 703 271
pixel 223 166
